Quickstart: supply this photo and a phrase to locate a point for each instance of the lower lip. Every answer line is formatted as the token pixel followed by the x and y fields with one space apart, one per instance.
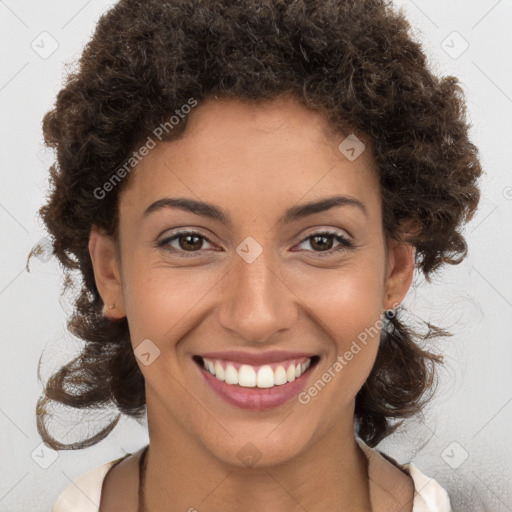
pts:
pixel 258 399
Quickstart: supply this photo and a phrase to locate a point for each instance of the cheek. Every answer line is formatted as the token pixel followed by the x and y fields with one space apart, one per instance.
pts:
pixel 161 302
pixel 347 304
pixel 344 300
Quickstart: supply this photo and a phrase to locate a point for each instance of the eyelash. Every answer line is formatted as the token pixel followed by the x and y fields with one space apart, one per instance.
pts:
pixel 346 244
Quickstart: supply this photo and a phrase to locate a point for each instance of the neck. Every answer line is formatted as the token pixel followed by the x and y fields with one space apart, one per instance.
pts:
pixel 329 473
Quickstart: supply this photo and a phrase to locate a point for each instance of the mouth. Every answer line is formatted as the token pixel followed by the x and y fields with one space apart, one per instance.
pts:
pixel 260 386
pixel 261 376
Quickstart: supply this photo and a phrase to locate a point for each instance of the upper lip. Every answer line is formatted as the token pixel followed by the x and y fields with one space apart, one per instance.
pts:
pixel 256 359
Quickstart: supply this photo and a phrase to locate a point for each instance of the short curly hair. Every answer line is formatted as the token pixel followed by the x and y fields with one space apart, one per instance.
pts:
pixel 354 61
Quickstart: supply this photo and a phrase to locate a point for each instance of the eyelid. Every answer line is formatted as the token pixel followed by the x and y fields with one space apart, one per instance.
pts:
pixel 196 230
pixel 317 230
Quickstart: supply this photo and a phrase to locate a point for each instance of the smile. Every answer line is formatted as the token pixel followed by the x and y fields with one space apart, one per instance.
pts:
pixel 248 376
pixel 261 385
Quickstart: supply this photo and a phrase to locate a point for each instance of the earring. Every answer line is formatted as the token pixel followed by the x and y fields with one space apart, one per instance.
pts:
pixel 112 306
pixel 389 313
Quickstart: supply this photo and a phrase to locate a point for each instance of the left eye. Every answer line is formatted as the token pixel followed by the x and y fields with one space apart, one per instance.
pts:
pixel 323 242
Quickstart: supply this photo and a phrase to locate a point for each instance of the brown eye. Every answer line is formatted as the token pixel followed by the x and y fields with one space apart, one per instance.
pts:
pixel 184 241
pixel 323 242
pixel 190 242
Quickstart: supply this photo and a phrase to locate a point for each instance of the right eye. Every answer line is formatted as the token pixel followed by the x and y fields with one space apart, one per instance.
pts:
pixel 187 241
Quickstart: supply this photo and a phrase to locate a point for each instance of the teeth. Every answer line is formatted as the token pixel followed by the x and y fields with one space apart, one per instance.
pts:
pixel 246 376
pixel 231 375
pixel 210 366
pixel 219 371
pixel 263 377
pixel 280 376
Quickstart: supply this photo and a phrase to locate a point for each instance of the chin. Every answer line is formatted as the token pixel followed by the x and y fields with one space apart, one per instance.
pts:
pixel 268 448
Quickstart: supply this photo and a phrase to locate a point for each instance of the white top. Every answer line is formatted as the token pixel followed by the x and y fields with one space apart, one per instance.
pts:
pixel 84 493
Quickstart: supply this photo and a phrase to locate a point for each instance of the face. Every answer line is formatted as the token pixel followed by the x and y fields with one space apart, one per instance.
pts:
pixel 254 281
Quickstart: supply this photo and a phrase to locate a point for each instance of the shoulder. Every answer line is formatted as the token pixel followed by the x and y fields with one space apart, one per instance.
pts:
pixel 84 493
pixel 428 495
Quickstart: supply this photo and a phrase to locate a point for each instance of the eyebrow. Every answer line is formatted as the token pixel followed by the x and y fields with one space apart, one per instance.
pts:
pixel 293 214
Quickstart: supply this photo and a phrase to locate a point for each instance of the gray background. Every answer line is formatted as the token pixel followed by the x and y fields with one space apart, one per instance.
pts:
pixel 464 438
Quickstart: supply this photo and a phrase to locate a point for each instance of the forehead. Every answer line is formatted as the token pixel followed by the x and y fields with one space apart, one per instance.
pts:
pixel 261 156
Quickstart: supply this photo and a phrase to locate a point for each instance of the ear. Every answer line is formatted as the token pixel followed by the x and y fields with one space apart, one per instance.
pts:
pixel 107 273
pixel 400 271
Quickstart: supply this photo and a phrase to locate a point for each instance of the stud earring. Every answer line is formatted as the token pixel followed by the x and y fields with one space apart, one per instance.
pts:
pixel 389 313
pixel 112 306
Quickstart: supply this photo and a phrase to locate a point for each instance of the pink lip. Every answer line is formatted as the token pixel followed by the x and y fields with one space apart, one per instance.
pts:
pixel 257 399
pixel 258 359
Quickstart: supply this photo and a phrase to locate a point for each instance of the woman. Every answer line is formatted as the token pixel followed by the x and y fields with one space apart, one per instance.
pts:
pixel 246 189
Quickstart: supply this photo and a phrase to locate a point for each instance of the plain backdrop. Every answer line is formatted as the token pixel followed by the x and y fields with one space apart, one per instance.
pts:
pixel 464 439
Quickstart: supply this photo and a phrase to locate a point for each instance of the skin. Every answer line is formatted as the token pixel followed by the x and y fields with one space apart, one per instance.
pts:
pixel 254 161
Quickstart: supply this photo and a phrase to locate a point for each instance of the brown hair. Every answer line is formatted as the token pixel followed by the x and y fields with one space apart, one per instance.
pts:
pixel 355 61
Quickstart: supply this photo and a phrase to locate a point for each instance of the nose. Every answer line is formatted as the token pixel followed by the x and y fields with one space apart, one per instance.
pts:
pixel 257 303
